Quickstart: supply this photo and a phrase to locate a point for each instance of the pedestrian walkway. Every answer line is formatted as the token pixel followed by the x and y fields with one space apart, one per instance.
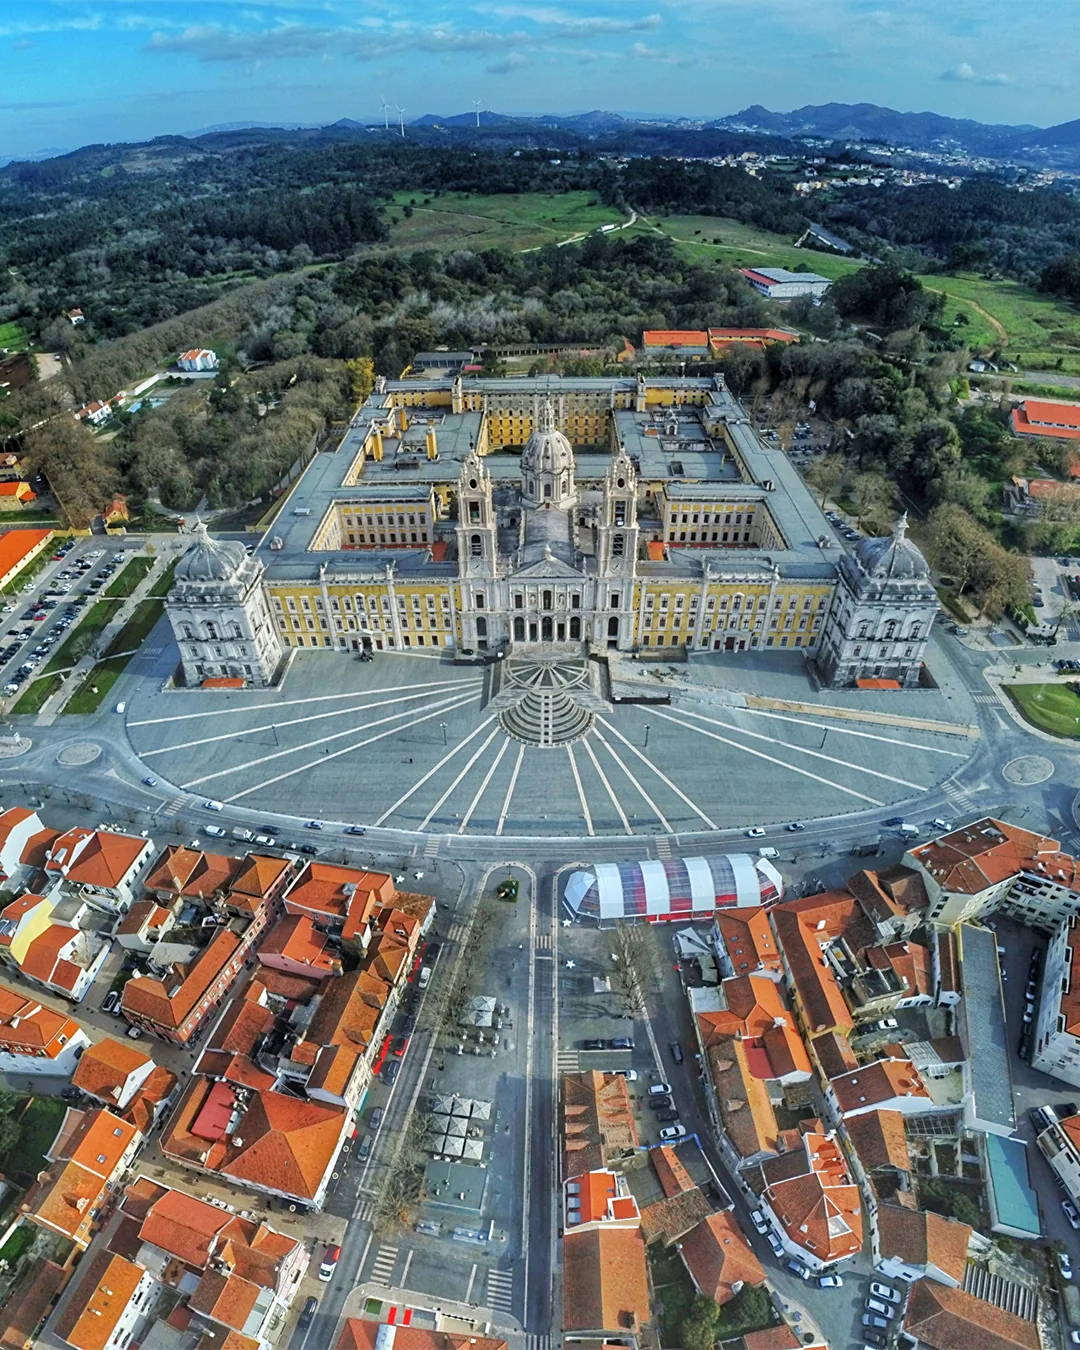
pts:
pixel 861 715
pixel 382 1268
pixel 499 1296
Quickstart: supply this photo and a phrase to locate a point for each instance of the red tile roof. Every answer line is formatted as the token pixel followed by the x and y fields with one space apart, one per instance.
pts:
pixel 924 1239
pixel 801 928
pixel 881 1081
pixel 1041 417
pixel 879 1140
pixel 17 545
pixel 819 1207
pixel 605 1281
pixel 951 1319
pixel 106 1066
pixel 743 1099
pixel 101 858
pixel 748 939
pixel 598 1120
pixel 361 1335
pixel 987 852
pixel 91 1314
pixel 170 1002
pixel 719 1258
pixel 675 337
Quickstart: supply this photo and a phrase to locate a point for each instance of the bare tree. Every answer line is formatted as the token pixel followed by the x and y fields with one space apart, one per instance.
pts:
pixel 629 961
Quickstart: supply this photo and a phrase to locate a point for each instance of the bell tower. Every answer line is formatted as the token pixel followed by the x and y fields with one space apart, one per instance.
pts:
pixel 476 530
pixel 617 531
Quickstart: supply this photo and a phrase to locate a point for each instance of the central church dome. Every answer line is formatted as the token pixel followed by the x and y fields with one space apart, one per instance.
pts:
pixel 547 463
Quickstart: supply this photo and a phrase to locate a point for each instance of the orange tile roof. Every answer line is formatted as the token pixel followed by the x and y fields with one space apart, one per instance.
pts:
pixel 605 1281
pixel 819 1207
pixel 909 962
pixel 673 1176
pixel 881 1081
pixel 106 1066
pixel 333 1068
pixel 99 1141
pixel 35 853
pixel 170 1002
pixel 17 545
pixel 833 1053
pixel 879 1140
pixel 1040 417
pixel 101 857
pixel 43 961
pixel 796 924
pixel 675 337
pixel 142 1110
pixel 320 888
pixel 923 1239
pixel 952 1319
pixel 598 1118
pixel 989 851
pixel 749 334
pixel 359 1334
pixel 91 1314
pixel 228 1299
pixel 143 913
pixel 756 1014
pixel 295 938
pixel 258 875
pixel 16 911
pixel 748 939
pixel 63 1198
pixel 747 1113
pixel 26 1022
pixel 719 1258
pixel 288 1144
pixel 39 1282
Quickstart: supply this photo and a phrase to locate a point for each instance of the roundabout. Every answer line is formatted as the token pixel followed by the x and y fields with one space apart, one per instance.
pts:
pixel 536 748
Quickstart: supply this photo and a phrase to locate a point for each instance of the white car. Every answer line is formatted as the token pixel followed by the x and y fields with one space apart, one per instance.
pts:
pixel 758 1220
pixel 1069 1210
pixel 830 1282
pixel 886 1291
pixel 216 831
pixel 756 833
pixel 673 1132
pixel 211 805
pixel 1064 1265
pixel 660 1090
pixel 775 1243
pixel 629 1074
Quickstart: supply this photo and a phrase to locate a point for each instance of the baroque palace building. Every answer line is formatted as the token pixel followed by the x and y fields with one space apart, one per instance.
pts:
pixel 549 514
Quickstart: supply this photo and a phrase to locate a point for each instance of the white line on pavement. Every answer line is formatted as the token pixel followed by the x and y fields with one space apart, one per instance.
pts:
pixel 482 788
pixel 468 765
pixel 357 745
pixel 634 782
pixel 760 754
pixel 799 749
pixel 610 790
pixel 320 740
pixel 663 777
pixel 292 722
pixel 510 789
pixel 580 790
pixel 432 772
pixel 286 703
pixel 850 731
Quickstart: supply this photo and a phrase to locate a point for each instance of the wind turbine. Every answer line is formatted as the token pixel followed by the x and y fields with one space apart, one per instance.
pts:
pixel 476 105
pixel 384 108
pixel 401 119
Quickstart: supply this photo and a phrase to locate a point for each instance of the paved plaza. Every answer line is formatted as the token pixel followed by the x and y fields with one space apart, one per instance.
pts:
pixel 411 742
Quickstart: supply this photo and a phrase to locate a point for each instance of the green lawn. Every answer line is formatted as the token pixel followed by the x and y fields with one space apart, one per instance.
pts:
pixel 515 221
pixel 82 637
pixel 95 689
pixel 18 1244
pixel 163 584
pixel 12 336
pixel 130 575
pixel 129 638
pixel 38 1124
pixel 746 246
pixel 35 696
pixel 1053 707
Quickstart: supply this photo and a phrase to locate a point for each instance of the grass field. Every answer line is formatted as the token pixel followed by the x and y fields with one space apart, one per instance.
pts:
pixel 79 641
pixel 1052 707
pixel 164 582
pixel 95 689
pixel 12 337
pixel 129 577
pixel 35 695
pixel 467 220
pixel 138 627
pixel 746 246
pixel 38 1124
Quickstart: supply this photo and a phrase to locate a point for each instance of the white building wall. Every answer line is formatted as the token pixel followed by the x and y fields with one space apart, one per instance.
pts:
pixel 62 1066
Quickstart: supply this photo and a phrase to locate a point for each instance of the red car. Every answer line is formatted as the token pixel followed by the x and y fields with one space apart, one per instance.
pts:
pixel 400 1046
pixel 329 1264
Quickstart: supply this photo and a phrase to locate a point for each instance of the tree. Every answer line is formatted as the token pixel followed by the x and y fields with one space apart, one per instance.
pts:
pixel 824 474
pixel 628 967
pixel 974 560
pixel 9 1126
pixel 361 377
pixel 698 1329
pixel 873 496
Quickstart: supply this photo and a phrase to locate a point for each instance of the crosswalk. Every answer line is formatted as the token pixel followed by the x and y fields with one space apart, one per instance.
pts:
pixel 172 807
pixel 364 1210
pixel 431 848
pixel 543 942
pixel 663 847
pixel 457 931
pixel 382 1268
pixel 568 1061
pixel 534 1342
pixel 986 698
pixel 958 799
pixel 500 1291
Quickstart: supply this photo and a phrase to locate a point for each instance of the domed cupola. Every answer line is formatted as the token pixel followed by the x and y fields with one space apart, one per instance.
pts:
pixel 547 463
pixel 893 557
pixel 210 559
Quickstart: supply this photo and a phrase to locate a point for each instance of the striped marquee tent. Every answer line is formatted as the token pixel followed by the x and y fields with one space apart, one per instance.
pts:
pixel 677 888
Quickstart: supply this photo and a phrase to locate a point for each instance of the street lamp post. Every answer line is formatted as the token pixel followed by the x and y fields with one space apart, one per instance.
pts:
pixel 646 735
pixel 442 728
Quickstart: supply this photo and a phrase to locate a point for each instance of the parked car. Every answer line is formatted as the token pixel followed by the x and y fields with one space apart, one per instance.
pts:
pixel 376 1118
pixel 759 1221
pixel 875 1305
pixel 875 1340
pixel 673 1132
pixel 364 1151
pixel 401 1045
pixel 797 1268
pixel 354 829
pixel 668 1113
pixel 593 1043
pixel 883 1024
pixel 329 1264
pixel 621 1043
pixel 676 1051
pixel 134 1032
pixel 660 1090
pixel 306 1314
pixel 886 1291
pixel 313 825
pixel 756 833
pixel 110 1001
pixel 872 1320
pixel 1064 1266
pixel 629 1074
pixel 390 1070
pixel 830 1281
pixel 217 831
pixel 659 1103
pixel 775 1243
pixel 309 849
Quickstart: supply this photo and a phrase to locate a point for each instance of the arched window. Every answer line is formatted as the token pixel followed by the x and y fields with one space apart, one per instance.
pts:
pixel 519 629
pixel 474 513
pixel 547 489
pixel 864 630
pixel 916 631
pixel 546 600
pixel 545 629
pixel 481 627
pixel 890 630
pixel 613 627
pixel 565 485
pixel 236 630
pixel 575 628
pixel 211 631
pixel 476 547
pixel 189 632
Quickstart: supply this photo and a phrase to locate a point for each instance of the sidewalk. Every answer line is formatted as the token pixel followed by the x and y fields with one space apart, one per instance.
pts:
pixel 54 705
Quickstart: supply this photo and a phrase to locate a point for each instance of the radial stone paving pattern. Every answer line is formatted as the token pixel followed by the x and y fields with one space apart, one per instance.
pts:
pixel 531 747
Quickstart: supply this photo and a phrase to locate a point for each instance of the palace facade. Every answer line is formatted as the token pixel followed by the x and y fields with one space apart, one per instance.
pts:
pixel 497 515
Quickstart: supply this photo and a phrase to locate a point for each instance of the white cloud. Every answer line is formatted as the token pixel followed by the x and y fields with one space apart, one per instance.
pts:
pixel 512 61
pixel 961 72
pixel 966 73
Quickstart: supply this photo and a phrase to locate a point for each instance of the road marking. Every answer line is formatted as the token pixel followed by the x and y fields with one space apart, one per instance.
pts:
pixel 510 789
pixel 652 805
pixel 483 787
pixel 663 847
pixel 293 722
pixel 985 698
pixel 291 702
pixel 610 791
pixel 801 750
pixel 500 1291
pixel 323 740
pixel 543 942
pixel 348 749
pixel 568 1061
pixel 472 1281
pixel 580 790
pixel 382 1268
pixel 431 848
pixel 432 772
pixel 174 806
pixel 405 1271
pixel 850 731
pixel 468 765
pixel 663 777
pixel 760 754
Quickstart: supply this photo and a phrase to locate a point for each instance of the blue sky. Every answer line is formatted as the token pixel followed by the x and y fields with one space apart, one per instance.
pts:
pixel 75 72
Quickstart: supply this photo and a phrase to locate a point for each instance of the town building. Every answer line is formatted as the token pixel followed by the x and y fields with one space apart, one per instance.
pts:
pixel 490 515
pixel 938 1317
pixel 991 865
pixel 605 1283
pixel 19 547
pixel 128 1081
pixel 744 941
pixel 912 1244
pixel 989 1106
pixel 36 1040
pixel 777 283
pixel 1045 417
pixel 65 959
pixel 721 339
pixel 16 496
pixel 881 1085
pixel 101 866
pixel 599 1199
pixel 750 1008
pixel 111 1296
pixel 360 1334
pixel 810 1200
pixel 597 1119
pixel 719 1259
pixel 1059 1144
pixel 88 1161
pixel 197 359
pixel 1055 1048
